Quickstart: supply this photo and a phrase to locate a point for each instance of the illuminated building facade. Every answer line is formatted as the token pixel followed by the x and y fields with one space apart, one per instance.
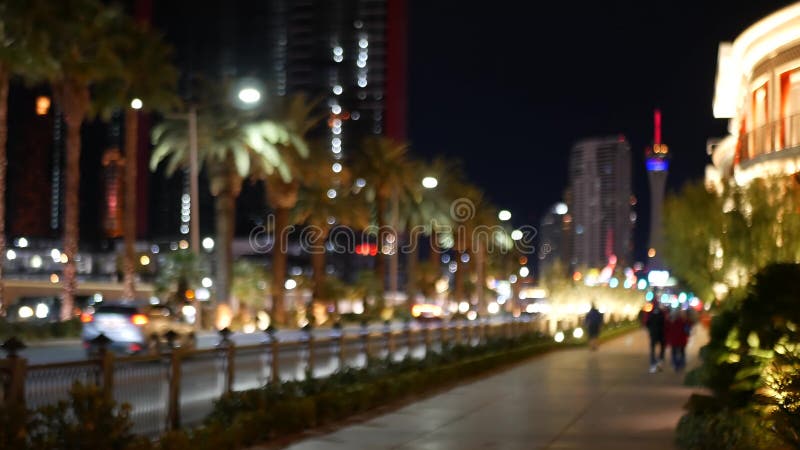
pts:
pixel 600 204
pixel 657 165
pixel 350 52
pixel 758 89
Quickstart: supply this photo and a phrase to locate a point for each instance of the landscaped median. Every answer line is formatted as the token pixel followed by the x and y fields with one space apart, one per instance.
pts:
pixel 277 410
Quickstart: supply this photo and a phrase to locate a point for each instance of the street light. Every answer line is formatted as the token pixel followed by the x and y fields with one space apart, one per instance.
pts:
pixel 504 215
pixel 249 95
pixel 430 182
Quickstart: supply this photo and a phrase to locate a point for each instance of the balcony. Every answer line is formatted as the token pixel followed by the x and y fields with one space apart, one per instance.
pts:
pixel 769 150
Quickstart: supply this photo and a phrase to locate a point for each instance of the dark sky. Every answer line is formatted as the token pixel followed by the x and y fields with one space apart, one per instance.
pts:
pixel 508 86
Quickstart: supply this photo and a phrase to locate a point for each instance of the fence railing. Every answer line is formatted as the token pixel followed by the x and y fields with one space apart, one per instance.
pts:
pixel 769 138
pixel 177 388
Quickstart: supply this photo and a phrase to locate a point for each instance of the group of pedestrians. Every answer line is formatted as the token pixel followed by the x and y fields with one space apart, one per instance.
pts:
pixel 667 328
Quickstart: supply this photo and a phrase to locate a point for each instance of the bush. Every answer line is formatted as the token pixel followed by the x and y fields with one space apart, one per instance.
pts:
pixel 725 429
pixel 31 331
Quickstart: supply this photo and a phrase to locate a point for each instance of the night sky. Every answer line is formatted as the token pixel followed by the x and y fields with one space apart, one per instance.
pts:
pixel 508 86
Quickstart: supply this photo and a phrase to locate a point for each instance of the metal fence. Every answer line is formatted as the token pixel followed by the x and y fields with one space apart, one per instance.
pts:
pixel 178 388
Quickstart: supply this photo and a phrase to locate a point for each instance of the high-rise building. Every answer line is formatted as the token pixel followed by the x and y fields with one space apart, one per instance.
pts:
pixel 657 164
pixel 351 53
pixel 600 204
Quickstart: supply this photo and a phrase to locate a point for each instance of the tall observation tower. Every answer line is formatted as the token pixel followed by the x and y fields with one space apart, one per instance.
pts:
pixel 657 164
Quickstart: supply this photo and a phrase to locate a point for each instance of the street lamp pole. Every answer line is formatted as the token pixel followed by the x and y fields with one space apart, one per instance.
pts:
pixel 194 189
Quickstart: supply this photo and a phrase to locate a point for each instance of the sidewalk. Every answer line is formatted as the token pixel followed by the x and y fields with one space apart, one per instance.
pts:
pixel 572 399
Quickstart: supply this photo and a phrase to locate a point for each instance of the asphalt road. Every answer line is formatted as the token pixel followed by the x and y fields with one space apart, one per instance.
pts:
pixel 63 350
pixel 145 384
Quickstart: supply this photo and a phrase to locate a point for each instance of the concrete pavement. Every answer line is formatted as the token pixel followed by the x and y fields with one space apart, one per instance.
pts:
pixel 572 399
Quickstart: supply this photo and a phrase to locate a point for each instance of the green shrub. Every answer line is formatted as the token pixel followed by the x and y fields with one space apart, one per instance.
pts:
pixel 725 429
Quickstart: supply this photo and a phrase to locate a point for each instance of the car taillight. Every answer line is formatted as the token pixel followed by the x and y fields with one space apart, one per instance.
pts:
pixel 86 318
pixel 139 319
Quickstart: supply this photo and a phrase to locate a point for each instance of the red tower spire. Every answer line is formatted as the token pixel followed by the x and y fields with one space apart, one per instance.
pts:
pixel 657 123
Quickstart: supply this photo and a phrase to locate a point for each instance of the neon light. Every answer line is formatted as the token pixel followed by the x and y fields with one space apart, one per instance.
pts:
pixel 657 165
pixel 657 120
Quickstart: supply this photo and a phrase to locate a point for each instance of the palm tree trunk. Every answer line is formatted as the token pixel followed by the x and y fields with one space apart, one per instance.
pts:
pixel 480 272
pixel 380 258
pixel 458 279
pixel 75 103
pixel 4 75
pixel 412 262
pixel 279 266
pixel 435 257
pixel 318 266
pixel 129 223
pixel 225 215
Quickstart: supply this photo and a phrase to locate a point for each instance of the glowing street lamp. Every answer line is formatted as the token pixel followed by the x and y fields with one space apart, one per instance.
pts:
pixel 430 182
pixel 504 215
pixel 249 95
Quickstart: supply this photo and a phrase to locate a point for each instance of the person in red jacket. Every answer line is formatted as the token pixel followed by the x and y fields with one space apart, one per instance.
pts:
pixel 677 330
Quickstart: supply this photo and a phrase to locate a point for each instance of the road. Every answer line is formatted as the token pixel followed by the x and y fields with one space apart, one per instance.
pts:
pixel 572 399
pixel 63 350
pixel 144 383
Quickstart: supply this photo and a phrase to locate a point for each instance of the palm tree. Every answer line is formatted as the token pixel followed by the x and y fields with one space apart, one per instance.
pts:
pixel 296 114
pixel 23 51
pixel 141 50
pixel 232 147
pixel 426 209
pixel 385 166
pixel 83 42
pixel 320 212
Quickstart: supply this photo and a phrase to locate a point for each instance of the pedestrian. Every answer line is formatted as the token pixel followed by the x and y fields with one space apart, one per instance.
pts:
pixel 678 328
pixel 655 326
pixel 594 321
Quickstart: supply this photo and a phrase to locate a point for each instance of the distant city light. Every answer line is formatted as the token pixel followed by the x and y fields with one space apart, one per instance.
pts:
pixel 144 260
pixel 577 333
pixel 430 182
pixel 493 308
pixel 331 193
pixel 183 244
pixel 613 283
pixel 36 261
pixel 651 253
pixel 516 235
pixel 524 271
pixel 360 182
pixel 54 278
pixel 42 105
pixel 337 90
pixel 561 208
pixel 336 167
pixel 559 336
pixel 290 284
pixel 641 284
pixel 208 243
pixel 336 109
pixel 55 254
pixel 11 255
pixel 504 215
pixel 206 282
pixel 22 242
pixel 472 315
pixel 136 103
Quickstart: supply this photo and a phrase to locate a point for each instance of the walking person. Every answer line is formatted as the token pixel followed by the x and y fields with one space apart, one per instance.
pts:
pixel 678 328
pixel 594 321
pixel 655 324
